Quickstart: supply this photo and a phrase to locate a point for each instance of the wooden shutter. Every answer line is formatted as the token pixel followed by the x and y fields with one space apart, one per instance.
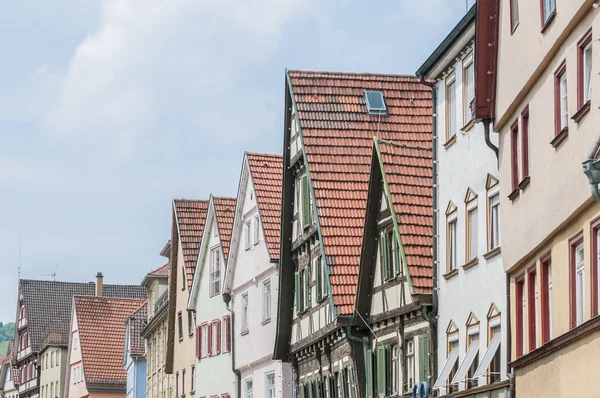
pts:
pixel 305 202
pixel 310 389
pixel 395 255
pixel 384 259
pixel 198 343
pixel 209 345
pixel 306 281
pixel 227 324
pixel 369 383
pixel 424 358
pixel 319 389
pixel 317 274
pixel 297 291
pixel 351 386
pixel 218 325
pixel 341 384
pixel 381 371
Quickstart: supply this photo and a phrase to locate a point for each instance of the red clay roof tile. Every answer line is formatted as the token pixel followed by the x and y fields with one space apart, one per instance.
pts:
pixel 338 135
pixel 162 271
pixel 224 211
pixel 191 216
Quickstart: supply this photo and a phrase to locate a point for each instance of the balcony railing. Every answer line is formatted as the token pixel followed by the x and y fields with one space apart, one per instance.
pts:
pixel 28 385
pixel 23 353
pixel 162 301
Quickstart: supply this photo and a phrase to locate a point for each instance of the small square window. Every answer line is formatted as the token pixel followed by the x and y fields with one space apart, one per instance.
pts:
pixel 375 102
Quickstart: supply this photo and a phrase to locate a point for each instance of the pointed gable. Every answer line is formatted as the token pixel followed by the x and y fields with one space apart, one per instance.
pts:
pixel 267 174
pixel 470 196
pixel 491 181
pixel 451 208
pixel 191 216
pixel 337 135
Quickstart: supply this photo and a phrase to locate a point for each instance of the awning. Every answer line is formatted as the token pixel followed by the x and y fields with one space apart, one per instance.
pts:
pixel 450 361
pixel 466 363
pixel 489 354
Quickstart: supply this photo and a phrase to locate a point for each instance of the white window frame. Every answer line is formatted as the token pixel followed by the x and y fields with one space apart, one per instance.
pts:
pixel 579 282
pixel 563 105
pixel 204 340
pixel 266 300
pixel 587 72
pixel 248 388
pixel 244 320
pixel 410 363
pixel 469 91
pixel 451 108
pixel 256 230
pixel 453 244
pixel 473 220
pixel 548 8
pixel 494 199
pixel 215 271
pixel 395 370
pixel 270 387
pixel 247 232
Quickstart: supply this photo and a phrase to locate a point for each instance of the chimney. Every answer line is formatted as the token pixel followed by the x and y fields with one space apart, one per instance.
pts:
pixel 99 284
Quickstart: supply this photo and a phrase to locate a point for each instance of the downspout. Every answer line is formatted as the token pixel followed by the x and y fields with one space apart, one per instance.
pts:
pixel 432 317
pixel 509 374
pixel 592 171
pixel 238 374
pixel 354 338
pixel 488 142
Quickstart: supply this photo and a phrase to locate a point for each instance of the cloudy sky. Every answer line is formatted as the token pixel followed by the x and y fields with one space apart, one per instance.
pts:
pixel 111 108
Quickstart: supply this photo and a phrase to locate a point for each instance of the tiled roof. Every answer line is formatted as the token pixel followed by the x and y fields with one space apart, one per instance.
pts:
pixel 267 175
pixel 101 322
pixel 48 306
pixel 191 216
pixel 338 135
pixel 225 211
pixel 162 271
pixel 408 172
pixel 136 324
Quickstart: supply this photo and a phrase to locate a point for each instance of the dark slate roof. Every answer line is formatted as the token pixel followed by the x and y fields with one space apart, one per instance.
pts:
pixel 136 322
pixel 48 306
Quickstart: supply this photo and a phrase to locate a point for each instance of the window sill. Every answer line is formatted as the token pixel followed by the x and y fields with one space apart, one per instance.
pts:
pixel 524 183
pixel 547 24
pixel 180 339
pixel 585 108
pixel 244 332
pixel 560 137
pixel 471 263
pixel 450 142
pixel 514 194
pixel 266 321
pixel 247 248
pixel 492 253
pixel 467 127
pixel 451 274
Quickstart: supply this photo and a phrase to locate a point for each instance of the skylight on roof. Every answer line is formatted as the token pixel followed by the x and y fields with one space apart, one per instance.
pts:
pixel 375 102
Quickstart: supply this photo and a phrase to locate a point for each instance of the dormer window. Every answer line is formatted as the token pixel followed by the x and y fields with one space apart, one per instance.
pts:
pixel 375 102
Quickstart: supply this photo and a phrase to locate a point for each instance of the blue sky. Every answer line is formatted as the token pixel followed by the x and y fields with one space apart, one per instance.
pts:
pixel 109 109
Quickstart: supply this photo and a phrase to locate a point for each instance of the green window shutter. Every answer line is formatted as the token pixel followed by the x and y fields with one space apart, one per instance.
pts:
pixel 306 282
pixel 341 383
pixel 396 255
pixel 424 358
pixel 310 390
pixel 317 274
pixel 298 302
pixel 319 389
pixel 381 371
pixel 384 259
pixel 352 387
pixel 305 202
pixel 301 388
pixel 369 383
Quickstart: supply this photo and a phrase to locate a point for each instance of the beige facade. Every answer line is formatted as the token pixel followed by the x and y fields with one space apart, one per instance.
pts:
pixel 52 375
pixel 549 247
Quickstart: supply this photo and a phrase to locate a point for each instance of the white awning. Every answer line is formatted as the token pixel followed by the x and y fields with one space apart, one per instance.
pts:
pixel 466 363
pixel 450 361
pixel 489 354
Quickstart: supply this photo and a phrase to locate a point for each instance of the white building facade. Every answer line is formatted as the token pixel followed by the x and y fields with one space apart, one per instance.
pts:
pixel 472 319
pixel 252 278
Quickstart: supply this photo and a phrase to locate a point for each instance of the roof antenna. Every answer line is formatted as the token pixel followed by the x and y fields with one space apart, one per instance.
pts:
pixel 20 263
pixel 53 274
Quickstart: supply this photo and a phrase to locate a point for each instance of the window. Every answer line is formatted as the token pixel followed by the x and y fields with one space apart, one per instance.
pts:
pixel 410 363
pixel 248 389
pixel 305 200
pixel 472 229
pixel 375 102
pixel 215 271
pixel 577 281
pixel 472 342
pixel 177 384
pixel 525 143
pixel 52 389
pixel 453 347
pixel 584 73
pixel 494 211
pixel 193 381
pixel 560 99
pixel 519 314
pixel 244 325
pixel 595 261
pixel 266 300
pixel 57 357
pixel 190 323
pixel 247 230
pixel 180 325
pixel 183 382
pixel 256 230
pixel 227 342
pixel 468 88
pixel 514 14
pixel 495 370
pixel 532 292
pixel 452 260
pixel 514 155
pixel 270 385
pixel 450 107
pixel 204 335
pixel 395 369
pixel 388 255
pixel 350 383
pixel 548 10
pixel 323 279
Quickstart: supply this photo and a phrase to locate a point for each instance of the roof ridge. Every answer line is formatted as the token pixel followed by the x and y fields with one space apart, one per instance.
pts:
pixel 401 145
pixel 353 73
pixel 273 155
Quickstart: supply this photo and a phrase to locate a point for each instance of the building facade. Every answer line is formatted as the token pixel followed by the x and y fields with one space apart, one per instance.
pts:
pixel 52 375
pixel 189 217
pixel 9 376
pixel 159 384
pixel 213 373
pixel 546 118
pixel 252 282
pixel 134 358
pixel 472 318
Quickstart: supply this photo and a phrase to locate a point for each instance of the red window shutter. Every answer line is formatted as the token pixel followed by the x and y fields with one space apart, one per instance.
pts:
pixel 210 332
pixel 198 343
pixel 218 325
pixel 514 155
pixel 227 320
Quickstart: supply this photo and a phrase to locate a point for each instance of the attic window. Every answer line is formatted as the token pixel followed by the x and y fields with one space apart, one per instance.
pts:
pixel 375 102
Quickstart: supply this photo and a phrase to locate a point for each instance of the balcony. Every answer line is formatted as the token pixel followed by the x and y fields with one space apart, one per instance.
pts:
pixel 28 385
pixel 23 353
pixel 162 301
pixel 22 323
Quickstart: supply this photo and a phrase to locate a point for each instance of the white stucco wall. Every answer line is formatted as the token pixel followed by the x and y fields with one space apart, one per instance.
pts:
pixel 251 268
pixel 466 164
pixel 214 375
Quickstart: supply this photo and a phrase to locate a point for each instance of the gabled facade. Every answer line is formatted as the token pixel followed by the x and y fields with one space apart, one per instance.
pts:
pixel 252 282
pixel 472 315
pixel 134 359
pixel 96 346
pixel 9 377
pixel 213 373
pixel 329 128
pixel 545 111
pixel 189 217
pixel 394 298
pixel 159 384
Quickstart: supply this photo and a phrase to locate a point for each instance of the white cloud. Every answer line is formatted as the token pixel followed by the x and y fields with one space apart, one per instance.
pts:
pixel 152 61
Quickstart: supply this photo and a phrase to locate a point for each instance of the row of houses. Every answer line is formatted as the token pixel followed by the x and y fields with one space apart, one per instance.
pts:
pixel 371 257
